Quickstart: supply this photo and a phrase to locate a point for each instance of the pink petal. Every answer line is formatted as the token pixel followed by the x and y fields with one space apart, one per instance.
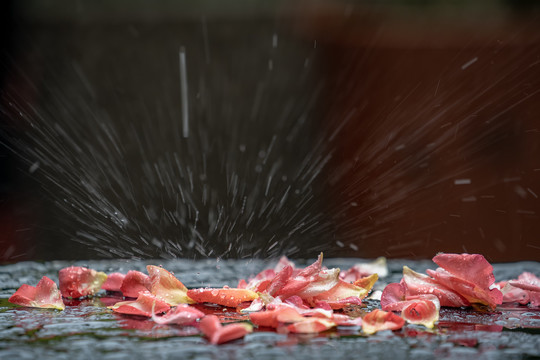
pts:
pixel 473 267
pixel 342 290
pixel 311 326
pixel 209 325
pixel 417 284
pixel 422 311
pixel 283 262
pixel 392 295
pixel 378 320
pixel 183 314
pixel 514 294
pixel 279 280
pixel 44 295
pixel 113 282
pixel 345 320
pixel 362 270
pixel 470 291
pixel 134 283
pixel 230 332
pixel 145 305
pixel 76 281
pixel 167 287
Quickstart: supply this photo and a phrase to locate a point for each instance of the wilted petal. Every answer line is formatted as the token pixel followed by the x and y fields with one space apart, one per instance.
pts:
pixel 76 281
pixel 167 287
pixel 378 320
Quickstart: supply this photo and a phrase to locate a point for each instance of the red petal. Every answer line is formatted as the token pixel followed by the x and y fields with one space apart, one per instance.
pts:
pixel 76 281
pixel 134 283
pixel 142 306
pixel 378 320
pixel 113 282
pixel 230 297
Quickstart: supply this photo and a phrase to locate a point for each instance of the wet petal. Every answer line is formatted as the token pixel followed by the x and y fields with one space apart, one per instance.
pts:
pixel 473 267
pixel 113 282
pixel 183 314
pixel 76 281
pixel 423 311
pixel 145 305
pixel 44 295
pixel 362 270
pixel 470 291
pixel 167 287
pixel 311 325
pixel 378 320
pixel 417 284
pixel 392 296
pixel 134 283
pixel 211 327
pixel 342 290
pixel 230 297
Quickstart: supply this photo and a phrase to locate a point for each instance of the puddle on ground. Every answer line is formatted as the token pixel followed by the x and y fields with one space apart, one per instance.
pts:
pixel 87 329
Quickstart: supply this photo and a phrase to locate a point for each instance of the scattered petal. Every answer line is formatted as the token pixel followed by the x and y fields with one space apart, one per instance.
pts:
pixel 423 310
pixel 145 305
pixel 362 270
pixel 113 282
pixel 183 314
pixel 378 320
pixel 167 287
pixel 230 297
pixel 311 326
pixel 134 283
pixel 44 295
pixel 218 334
pixel 76 281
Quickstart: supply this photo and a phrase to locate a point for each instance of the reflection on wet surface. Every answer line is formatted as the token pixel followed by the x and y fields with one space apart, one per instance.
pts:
pixel 87 329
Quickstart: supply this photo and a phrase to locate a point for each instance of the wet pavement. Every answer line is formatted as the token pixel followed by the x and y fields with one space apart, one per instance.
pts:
pixel 87 329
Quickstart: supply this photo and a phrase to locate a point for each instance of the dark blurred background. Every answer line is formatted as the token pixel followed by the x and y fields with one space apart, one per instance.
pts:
pixel 357 128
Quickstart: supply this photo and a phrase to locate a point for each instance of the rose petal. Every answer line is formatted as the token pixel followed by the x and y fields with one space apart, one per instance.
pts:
pixel 183 314
pixel 167 287
pixel 468 290
pixel 392 295
pixel 362 270
pixel 134 283
pixel 417 284
pixel 230 297
pixel 44 295
pixel 422 311
pixel 311 326
pixel 113 282
pixel 145 305
pixel 378 320
pixel 211 327
pixel 472 267
pixel 76 281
